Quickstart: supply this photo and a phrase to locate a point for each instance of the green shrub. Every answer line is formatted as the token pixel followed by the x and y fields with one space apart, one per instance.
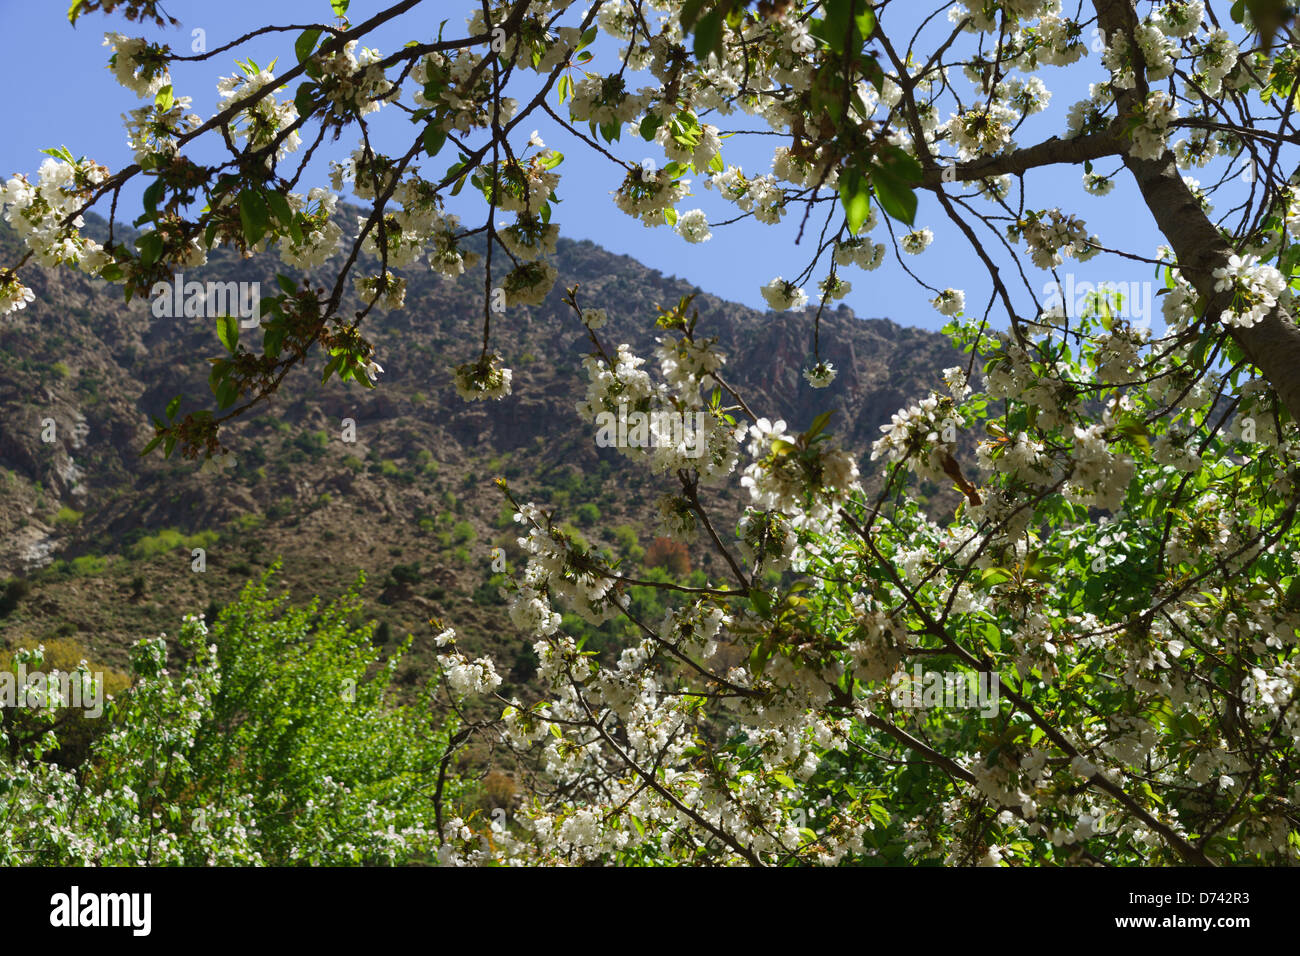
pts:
pixel 150 546
pixel 66 517
pixel 14 590
pixel 626 538
pixel 488 593
pixel 89 565
pixel 248 522
pixel 284 747
pixel 404 573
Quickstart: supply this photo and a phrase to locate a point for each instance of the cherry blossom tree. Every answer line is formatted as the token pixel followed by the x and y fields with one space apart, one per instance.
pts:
pixel 1118 589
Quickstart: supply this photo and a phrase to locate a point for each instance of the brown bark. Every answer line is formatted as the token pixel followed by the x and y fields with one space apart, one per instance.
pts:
pixel 1272 346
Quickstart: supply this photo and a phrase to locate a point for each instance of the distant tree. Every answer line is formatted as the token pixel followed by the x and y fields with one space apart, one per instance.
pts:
pixel 670 555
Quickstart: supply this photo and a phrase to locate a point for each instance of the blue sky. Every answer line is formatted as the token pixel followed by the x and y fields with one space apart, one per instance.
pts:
pixel 66 96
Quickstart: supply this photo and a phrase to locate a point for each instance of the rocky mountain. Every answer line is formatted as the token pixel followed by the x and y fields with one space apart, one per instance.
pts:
pixel 99 546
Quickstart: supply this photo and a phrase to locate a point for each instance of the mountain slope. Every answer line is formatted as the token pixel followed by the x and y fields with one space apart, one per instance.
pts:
pixel 104 539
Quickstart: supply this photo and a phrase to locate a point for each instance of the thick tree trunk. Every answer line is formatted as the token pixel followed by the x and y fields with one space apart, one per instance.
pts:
pixel 1272 346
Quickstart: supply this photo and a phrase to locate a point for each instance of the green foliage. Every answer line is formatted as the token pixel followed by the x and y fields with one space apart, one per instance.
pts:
pixel 625 537
pixel 89 565
pixel 404 574
pixel 274 739
pixel 66 517
pixel 488 593
pixel 169 539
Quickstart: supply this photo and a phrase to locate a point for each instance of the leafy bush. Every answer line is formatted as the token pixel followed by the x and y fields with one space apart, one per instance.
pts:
pixel 489 592
pixel 66 517
pixel 404 574
pixel 273 739
pixel 89 565
pixel 14 590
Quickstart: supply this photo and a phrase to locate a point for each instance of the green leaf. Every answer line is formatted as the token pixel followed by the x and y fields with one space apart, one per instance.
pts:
pixel 74 11
pixel 306 43
pixel 901 164
pixel 274 341
pixel 150 246
pixel 287 284
pixel 280 207
pixel 254 216
pixel 835 27
pixel 173 406
pixel 340 7
pixel 228 332
pixel 433 139
pixel 992 576
pixel 1135 431
pixel 302 99
pixel 562 87
pixel 894 195
pixel 855 195
pixel 165 99
pixel 155 441
pixel 60 152
pixel 227 394
pixel 865 20
pixel 819 423
pixel 152 195
pixel 708 35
